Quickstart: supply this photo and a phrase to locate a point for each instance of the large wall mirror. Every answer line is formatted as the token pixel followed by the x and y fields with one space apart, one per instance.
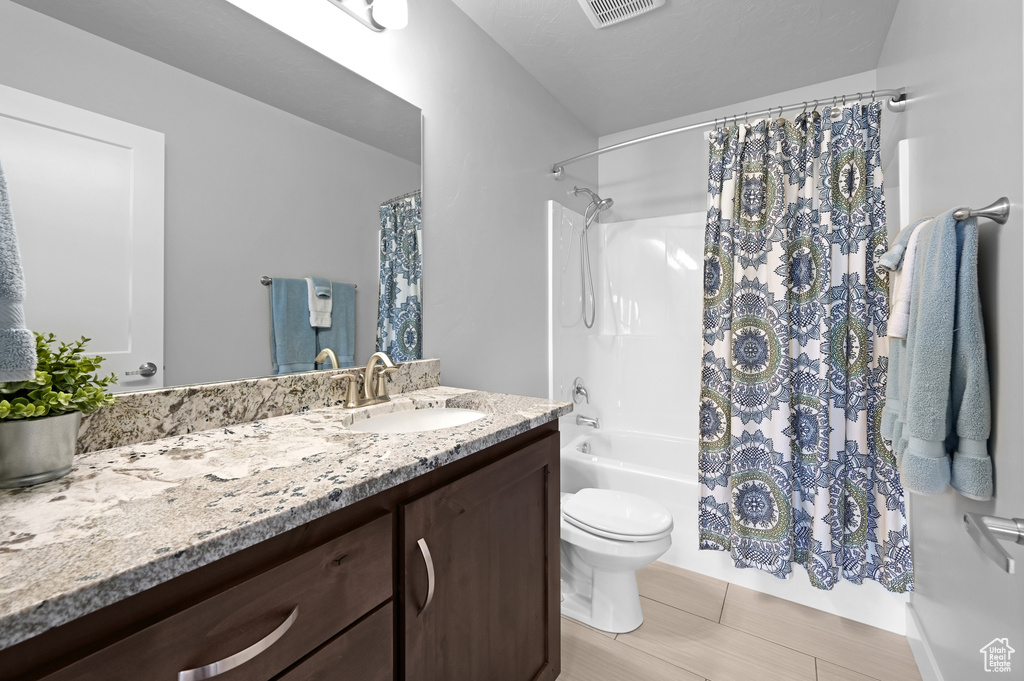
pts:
pixel 276 162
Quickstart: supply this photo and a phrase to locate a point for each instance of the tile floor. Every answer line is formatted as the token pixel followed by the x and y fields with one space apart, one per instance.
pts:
pixel 696 628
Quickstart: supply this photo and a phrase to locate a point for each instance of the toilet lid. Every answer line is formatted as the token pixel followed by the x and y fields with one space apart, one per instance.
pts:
pixel 610 512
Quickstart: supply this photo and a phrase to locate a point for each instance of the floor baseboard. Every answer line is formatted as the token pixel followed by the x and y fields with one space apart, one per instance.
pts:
pixel 922 650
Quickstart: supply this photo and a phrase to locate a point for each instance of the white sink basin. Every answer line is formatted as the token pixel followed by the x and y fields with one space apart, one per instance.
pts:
pixel 417 420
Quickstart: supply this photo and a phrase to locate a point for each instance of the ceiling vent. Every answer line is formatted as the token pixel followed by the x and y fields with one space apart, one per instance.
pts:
pixel 607 12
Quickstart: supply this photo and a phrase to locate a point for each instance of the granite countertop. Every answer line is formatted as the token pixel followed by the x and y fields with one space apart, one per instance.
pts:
pixel 129 518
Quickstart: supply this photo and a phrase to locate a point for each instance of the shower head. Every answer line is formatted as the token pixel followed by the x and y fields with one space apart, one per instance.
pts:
pixel 601 204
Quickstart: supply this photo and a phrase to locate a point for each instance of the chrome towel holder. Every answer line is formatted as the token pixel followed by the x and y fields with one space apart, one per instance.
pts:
pixel 996 212
pixel 267 281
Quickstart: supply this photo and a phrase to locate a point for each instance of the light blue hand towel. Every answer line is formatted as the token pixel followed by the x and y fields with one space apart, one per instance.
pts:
pixel 17 344
pixel 341 336
pixel 937 398
pixel 292 339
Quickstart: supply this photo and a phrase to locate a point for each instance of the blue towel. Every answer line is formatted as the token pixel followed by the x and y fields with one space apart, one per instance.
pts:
pixel 341 336
pixel 937 399
pixel 17 344
pixel 292 339
pixel 322 287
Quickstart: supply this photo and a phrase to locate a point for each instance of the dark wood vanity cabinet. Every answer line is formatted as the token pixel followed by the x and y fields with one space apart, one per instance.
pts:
pixel 480 575
pixel 343 597
pixel 274 619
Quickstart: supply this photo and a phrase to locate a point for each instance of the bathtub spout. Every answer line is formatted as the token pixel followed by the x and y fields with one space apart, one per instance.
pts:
pixel 586 421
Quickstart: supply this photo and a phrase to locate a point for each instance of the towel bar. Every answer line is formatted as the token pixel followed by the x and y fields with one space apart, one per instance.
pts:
pixel 997 212
pixel 267 281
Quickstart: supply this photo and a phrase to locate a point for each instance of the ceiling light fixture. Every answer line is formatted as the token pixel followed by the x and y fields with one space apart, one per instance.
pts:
pixel 376 15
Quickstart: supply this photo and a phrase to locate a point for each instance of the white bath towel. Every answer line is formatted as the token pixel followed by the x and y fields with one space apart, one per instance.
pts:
pixel 899 311
pixel 320 303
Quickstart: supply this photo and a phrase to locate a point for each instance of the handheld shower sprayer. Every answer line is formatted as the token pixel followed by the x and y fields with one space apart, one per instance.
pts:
pixel 596 205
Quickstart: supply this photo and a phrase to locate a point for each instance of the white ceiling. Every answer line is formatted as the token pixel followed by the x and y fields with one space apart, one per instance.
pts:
pixel 686 57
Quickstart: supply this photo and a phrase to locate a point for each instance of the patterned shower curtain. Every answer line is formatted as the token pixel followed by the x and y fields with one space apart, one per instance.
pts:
pixel 792 464
pixel 399 311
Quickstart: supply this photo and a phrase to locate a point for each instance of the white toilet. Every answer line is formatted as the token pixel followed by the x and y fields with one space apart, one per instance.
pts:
pixel 606 537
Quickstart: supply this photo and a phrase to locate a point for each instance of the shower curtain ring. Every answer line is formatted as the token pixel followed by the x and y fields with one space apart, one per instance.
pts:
pixel 804 110
pixel 815 106
pixel 872 96
pixel 844 100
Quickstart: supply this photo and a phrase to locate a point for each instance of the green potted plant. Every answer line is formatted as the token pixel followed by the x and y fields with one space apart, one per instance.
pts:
pixel 39 419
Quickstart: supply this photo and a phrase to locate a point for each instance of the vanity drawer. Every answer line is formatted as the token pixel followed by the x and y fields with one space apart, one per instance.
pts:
pixel 273 619
pixel 363 653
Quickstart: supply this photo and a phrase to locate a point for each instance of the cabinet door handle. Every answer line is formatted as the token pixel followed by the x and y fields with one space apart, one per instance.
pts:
pixel 429 562
pixel 228 663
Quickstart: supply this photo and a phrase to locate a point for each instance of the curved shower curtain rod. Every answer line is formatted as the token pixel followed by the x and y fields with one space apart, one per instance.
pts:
pixel 896 101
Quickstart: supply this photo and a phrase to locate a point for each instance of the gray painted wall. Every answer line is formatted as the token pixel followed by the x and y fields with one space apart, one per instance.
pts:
pixel 961 62
pixel 250 190
pixel 491 133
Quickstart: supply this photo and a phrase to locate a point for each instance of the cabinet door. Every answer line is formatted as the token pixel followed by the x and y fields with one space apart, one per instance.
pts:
pixel 492 539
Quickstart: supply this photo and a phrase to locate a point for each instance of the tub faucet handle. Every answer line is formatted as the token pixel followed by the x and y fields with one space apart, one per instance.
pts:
pixel 579 390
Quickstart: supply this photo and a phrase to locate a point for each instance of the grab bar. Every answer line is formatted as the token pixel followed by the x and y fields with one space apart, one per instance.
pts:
pixel 987 531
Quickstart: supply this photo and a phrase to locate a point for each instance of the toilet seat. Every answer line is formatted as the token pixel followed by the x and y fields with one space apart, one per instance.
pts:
pixel 617 515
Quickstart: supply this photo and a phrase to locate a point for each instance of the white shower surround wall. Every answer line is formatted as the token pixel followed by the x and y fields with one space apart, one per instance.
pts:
pixel 641 366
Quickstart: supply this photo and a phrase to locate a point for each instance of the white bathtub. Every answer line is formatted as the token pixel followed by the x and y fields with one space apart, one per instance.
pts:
pixel 657 467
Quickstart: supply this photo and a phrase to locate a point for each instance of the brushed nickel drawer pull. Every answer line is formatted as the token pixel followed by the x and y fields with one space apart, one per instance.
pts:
pixel 429 562
pixel 228 663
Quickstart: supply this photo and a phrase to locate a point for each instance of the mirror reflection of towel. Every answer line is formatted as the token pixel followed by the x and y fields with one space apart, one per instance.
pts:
pixel 320 303
pixel 292 339
pixel 341 336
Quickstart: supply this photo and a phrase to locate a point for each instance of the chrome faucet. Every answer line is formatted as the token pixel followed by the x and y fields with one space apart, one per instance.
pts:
pixel 326 354
pixel 374 378
pixel 579 390
pixel 582 420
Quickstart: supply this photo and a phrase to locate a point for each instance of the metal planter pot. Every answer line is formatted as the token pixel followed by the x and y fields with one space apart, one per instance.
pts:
pixel 37 450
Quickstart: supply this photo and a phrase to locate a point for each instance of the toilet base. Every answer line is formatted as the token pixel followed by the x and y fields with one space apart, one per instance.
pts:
pixel 609 601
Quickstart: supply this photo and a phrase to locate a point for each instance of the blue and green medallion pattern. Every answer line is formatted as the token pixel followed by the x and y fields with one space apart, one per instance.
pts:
pixel 399 310
pixel 793 467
